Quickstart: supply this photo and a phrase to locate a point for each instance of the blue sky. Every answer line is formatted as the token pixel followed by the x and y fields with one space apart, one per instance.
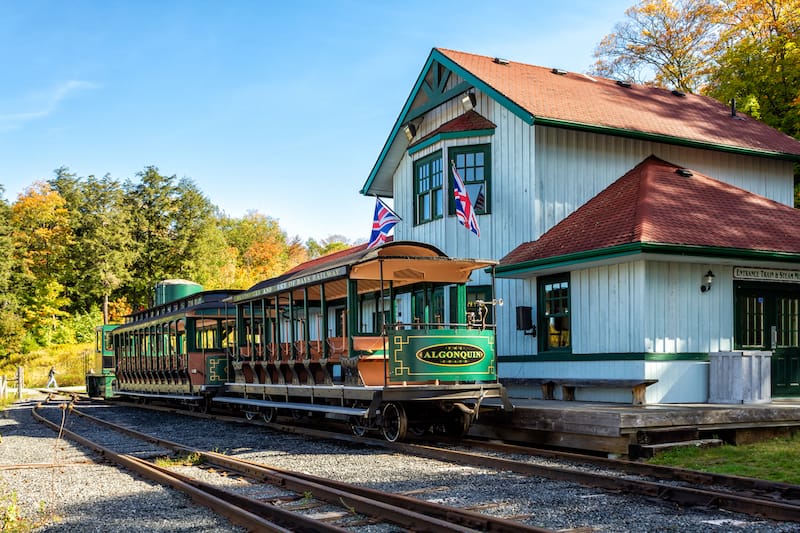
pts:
pixel 275 107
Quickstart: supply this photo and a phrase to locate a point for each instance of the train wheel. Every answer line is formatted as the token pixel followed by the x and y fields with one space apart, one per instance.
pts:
pixel 358 426
pixel 268 414
pixel 250 415
pixel 395 422
pixel 457 425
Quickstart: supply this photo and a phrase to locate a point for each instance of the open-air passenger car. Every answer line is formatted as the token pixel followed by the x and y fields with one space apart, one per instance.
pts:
pixel 383 338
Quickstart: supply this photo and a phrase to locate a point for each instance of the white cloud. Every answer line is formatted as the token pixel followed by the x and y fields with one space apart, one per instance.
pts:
pixel 42 104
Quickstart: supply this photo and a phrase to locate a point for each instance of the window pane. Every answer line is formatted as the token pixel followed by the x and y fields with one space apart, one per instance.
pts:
pixel 555 319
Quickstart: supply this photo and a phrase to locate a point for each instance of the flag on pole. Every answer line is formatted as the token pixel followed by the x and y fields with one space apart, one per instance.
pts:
pixel 383 221
pixel 464 211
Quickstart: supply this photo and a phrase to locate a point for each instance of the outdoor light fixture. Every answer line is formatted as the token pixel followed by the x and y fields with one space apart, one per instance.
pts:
pixel 468 101
pixel 708 279
pixel 410 131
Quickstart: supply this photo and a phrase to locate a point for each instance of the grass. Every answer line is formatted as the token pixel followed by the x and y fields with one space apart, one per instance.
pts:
pixel 181 459
pixel 12 521
pixel 70 361
pixel 773 460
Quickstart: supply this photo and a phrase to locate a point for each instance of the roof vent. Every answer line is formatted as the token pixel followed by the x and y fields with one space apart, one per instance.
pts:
pixel 625 84
pixel 685 172
pixel 678 93
pixel 500 61
pixel 559 71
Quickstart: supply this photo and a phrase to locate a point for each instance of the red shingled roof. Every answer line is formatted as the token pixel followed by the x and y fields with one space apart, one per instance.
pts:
pixel 653 203
pixel 578 99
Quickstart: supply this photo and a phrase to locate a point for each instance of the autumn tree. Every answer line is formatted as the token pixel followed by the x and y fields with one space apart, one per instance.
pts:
pixel 662 42
pixel 41 236
pixel 262 249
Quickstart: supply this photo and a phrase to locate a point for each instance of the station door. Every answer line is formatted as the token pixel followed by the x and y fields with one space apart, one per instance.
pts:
pixel 768 318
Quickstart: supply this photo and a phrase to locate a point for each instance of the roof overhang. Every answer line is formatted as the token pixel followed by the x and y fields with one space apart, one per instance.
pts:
pixel 645 251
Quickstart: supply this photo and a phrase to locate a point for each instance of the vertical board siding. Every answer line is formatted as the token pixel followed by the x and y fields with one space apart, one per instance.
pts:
pixel 606 312
pixel 681 319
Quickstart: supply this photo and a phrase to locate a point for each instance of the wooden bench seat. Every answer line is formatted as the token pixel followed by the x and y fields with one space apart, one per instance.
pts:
pixel 638 387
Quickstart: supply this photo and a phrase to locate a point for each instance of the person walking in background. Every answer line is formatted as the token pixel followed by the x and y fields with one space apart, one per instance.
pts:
pixel 52 376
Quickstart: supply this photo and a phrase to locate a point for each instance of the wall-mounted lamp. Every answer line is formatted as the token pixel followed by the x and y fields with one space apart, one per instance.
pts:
pixel 525 320
pixel 708 280
pixel 410 130
pixel 469 101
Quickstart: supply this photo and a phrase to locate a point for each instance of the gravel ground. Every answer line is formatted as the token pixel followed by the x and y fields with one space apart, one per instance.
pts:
pixel 81 496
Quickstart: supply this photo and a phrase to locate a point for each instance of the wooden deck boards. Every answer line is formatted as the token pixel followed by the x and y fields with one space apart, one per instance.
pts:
pixel 612 428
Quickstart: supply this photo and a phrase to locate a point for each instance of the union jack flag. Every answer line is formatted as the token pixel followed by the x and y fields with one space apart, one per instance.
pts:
pixel 383 221
pixel 464 211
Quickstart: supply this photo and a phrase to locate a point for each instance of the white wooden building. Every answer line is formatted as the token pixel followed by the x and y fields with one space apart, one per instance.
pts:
pixel 578 185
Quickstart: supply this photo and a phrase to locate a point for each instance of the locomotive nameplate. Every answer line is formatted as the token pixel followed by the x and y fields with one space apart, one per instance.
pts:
pixel 451 354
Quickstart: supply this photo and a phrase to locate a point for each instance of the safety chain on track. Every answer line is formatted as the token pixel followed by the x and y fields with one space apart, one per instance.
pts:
pixel 405 511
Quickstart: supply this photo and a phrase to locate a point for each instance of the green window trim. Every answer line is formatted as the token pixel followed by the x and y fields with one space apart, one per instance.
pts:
pixel 553 314
pixel 428 188
pixel 474 165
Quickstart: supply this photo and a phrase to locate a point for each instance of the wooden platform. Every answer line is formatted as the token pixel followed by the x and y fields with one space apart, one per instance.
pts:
pixel 623 429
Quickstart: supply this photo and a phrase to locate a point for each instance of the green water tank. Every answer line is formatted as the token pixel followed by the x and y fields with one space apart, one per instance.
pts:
pixel 174 289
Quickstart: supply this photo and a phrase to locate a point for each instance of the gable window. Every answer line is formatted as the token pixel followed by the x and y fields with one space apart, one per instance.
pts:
pixel 554 321
pixel 474 166
pixel 428 189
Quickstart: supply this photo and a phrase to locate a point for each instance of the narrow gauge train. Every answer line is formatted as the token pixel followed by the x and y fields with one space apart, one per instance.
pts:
pixel 326 338
pixel 382 337
pixel 178 349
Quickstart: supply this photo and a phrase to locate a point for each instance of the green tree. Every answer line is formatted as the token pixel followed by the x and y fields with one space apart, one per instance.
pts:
pixel 175 229
pixel 10 320
pixel 759 61
pixel 104 249
pixel 333 243
pixel 662 42
pixel 198 237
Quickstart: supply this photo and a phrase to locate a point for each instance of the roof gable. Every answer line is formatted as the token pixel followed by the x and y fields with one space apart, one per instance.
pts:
pixel 568 100
pixel 660 203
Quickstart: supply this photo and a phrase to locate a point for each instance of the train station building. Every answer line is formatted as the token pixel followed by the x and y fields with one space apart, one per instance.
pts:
pixel 646 238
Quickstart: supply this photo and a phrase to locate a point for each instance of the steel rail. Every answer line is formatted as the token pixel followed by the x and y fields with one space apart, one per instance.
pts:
pixel 682 495
pixel 762 507
pixel 785 491
pixel 236 515
pixel 402 510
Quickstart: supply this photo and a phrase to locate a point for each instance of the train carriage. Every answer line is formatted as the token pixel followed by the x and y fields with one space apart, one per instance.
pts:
pixel 101 380
pixel 178 349
pixel 382 337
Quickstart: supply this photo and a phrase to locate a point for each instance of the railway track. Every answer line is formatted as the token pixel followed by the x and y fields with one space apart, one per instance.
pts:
pixel 350 506
pixel 754 497
pixel 758 498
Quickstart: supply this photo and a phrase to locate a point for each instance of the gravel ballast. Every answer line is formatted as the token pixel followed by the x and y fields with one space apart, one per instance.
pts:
pixel 79 495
